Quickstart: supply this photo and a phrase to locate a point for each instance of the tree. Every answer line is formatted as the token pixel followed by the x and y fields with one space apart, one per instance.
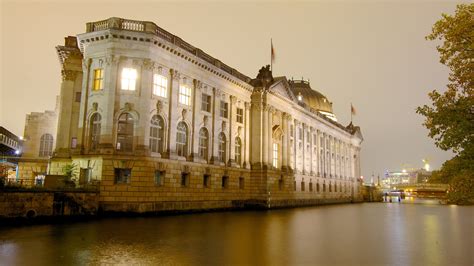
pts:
pixel 450 118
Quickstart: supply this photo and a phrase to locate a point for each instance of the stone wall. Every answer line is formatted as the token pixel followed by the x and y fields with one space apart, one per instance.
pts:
pixel 29 204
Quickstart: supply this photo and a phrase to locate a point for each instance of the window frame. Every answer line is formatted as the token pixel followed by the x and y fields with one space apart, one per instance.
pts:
pixel 128 81
pixel 98 79
pixel 160 89
pixel 184 95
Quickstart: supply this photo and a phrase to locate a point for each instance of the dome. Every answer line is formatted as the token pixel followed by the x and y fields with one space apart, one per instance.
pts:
pixel 310 97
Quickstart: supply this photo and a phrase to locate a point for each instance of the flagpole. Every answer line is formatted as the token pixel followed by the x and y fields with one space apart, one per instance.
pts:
pixel 271 51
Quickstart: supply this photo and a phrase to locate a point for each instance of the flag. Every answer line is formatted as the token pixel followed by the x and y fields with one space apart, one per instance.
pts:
pixel 353 110
pixel 273 52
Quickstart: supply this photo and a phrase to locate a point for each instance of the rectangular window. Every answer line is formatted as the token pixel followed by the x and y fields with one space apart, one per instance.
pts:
pixel 206 103
pixel 184 179
pixel 184 95
pixel 123 175
pixel 206 180
pixel 129 79
pixel 241 183
pixel 294 185
pixel 302 185
pixel 292 130
pixel 310 186
pixel 159 177
pixel 225 182
pixel 275 155
pixel 98 79
pixel 224 109
pixel 300 133
pixel 160 85
pixel 280 184
pixel 85 175
pixel 240 115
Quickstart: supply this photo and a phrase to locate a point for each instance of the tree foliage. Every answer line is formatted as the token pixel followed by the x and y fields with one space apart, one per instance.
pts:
pixel 450 118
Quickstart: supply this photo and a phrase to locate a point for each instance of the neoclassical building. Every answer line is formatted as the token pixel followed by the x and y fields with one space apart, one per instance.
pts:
pixel 161 125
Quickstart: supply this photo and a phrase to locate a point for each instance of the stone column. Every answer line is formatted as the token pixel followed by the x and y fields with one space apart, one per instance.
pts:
pixel 246 148
pixel 194 139
pixel 172 115
pixel 304 148
pixel 295 144
pixel 213 158
pixel 271 110
pixel 265 135
pixel 284 143
pixel 231 149
pixel 145 91
pixel 289 147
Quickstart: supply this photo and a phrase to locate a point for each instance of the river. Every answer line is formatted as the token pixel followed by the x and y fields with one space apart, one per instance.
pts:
pixel 350 234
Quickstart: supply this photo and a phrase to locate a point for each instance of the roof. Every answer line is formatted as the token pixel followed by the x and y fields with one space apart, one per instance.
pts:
pixel 310 97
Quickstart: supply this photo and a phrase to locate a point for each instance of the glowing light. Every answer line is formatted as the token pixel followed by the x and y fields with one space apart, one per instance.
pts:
pixel 300 97
pixel 17 152
pixel 404 170
pixel 20 137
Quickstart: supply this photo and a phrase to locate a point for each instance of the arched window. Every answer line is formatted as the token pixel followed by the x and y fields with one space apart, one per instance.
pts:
pixel 330 187
pixel 94 128
pixel 324 187
pixel 238 151
pixel 157 133
pixel 203 143
pixel 222 147
pixel 182 139
pixel 125 132
pixel 317 187
pixel 46 145
pixel 335 187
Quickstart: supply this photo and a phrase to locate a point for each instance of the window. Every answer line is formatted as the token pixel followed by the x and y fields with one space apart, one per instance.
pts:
pixel 160 85
pixel 157 132
pixel 330 187
pixel 129 79
pixel 300 133
pixel 125 132
pixel 310 186
pixel 184 179
pixel 241 183
pixel 98 79
pixel 85 175
pixel 280 184
pixel 123 175
pixel 206 103
pixel 240 115
pixel 206 180
pixel 324 187
pixel 203 143
pixel 222 147
pixel 159 177
pixel 224 109
pixel 182 139
pixel 225 182
pixel 291 130
pixel 185 95
pixel 302 185
pixel 294 185
pixel 317 187
pixel 238 151
pixel 46 145
pixel 275 155
pixel 94 128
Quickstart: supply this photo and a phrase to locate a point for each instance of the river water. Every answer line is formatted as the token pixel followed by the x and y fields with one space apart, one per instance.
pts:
pixel 352 234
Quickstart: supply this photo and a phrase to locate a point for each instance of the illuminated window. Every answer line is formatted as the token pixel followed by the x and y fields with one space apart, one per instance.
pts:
pixel 157 133
pixel 275 155
pixel 160 85
pixel 129 79
pixel 184 95
pixel 182 139
pixel 222 147
pixel 122 175
pixel 94 138
pixel 203 143
pixel 238 151
pixel 240 115
pixel 98 79
pixel 46 145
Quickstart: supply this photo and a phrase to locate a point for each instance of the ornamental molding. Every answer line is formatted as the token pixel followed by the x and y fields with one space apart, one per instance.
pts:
pixel 149 64
pixel 69 74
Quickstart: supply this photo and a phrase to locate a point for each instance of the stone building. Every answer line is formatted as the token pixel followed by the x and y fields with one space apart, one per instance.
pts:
pixel 162 125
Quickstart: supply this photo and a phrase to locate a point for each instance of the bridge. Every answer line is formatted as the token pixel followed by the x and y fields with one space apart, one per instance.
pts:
pixel 423 190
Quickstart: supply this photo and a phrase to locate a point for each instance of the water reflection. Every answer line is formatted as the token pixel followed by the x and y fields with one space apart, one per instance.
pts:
pixel 367 234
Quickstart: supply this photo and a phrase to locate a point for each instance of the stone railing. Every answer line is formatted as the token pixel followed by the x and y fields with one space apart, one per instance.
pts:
pixel 150 27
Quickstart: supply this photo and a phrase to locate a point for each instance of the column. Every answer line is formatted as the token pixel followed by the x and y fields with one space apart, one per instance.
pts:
pixel 271 110
pixel 213 126
pixel 265 135
pixel 194 138
pixel 246 148
pixel 284 143
pixel 304 147
pixel 172 114
pixel 231 149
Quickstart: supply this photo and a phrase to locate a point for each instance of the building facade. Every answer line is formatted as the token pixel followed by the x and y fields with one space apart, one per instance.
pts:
pixel 159 125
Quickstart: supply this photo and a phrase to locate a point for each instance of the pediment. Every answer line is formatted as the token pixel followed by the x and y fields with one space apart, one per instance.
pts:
pixel 282 89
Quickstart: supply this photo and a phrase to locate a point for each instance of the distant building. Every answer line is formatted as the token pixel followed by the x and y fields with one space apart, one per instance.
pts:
pixel 405 177
pixel 10 144
pixel 161 125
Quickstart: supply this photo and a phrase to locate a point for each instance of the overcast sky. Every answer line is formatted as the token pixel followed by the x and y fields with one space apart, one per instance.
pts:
pixel 372 54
